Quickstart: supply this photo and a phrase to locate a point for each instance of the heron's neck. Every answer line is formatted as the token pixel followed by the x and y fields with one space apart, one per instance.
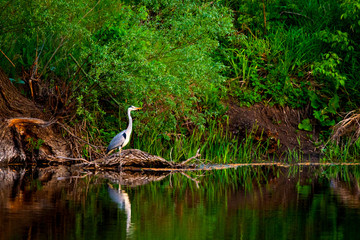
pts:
pixel 130 121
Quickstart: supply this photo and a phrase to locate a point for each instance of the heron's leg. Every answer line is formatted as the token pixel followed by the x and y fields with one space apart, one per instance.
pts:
pixel 120 157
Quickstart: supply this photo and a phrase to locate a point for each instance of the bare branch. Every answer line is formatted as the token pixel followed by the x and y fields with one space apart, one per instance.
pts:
pixel 7 58
pixel 192 179
pixel 196 156
pixel 350 126
pixel 298 14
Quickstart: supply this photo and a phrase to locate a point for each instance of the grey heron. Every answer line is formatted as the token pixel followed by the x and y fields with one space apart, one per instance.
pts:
pixel 122 138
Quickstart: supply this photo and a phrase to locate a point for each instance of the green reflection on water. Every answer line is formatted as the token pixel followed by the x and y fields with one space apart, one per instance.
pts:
pixel 243 203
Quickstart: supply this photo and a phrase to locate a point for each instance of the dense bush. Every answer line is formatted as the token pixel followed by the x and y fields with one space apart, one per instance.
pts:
pixel 163 61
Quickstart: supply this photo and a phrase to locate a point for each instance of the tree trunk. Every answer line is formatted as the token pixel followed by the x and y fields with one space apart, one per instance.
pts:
pixel 25 132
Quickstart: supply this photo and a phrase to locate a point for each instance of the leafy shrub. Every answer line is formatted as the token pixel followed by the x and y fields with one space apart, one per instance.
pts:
pixel 163 62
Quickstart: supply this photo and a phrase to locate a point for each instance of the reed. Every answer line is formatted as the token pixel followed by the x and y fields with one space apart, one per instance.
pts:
pixel 342 151
pixel 216 146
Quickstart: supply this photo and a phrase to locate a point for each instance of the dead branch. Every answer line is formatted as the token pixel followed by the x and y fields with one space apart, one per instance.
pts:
pixel 74 177
pixel 78 138
pixel 7 58
pixel 89 11
pixel 192 179
pixel 194 157
pixel 297 14
pixel 64 159
pixel 72 159
pixel 57 49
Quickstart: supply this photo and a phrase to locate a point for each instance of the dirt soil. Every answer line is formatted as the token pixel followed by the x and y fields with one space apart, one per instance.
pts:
pixel 276 124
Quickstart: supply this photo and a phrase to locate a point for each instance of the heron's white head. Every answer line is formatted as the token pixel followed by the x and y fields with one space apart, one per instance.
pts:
pixel 133 108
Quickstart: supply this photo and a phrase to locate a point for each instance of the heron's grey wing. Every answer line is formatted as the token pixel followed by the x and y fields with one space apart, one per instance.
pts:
pixel 117 141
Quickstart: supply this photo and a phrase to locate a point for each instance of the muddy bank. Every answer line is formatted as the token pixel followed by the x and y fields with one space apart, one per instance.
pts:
pixel 276 124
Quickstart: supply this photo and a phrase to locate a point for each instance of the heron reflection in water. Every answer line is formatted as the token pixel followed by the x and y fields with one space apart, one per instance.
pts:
pixel 122 138
pixel 120 197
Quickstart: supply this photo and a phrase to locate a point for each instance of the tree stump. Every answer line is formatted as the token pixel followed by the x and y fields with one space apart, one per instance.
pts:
pixel 25 131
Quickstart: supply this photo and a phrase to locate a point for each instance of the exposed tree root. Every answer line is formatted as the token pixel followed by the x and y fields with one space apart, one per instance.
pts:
pixel 349 126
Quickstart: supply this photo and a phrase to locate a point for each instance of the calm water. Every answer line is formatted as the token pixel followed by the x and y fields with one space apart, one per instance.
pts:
pixel 243 203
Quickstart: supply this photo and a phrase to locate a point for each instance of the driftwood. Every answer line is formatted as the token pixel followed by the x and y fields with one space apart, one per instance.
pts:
pixel 135 160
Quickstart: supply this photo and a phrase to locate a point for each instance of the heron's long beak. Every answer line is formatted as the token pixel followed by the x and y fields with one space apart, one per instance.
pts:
pixel 138 108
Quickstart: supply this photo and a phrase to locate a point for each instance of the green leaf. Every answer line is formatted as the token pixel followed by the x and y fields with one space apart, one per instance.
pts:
pixel 333 104
pixel 319 115
pixel 305 125
pixel 329 122
pixel 315 101
pixel 17 81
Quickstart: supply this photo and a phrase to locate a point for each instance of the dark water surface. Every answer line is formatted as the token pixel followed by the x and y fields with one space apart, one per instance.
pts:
pixel 243 203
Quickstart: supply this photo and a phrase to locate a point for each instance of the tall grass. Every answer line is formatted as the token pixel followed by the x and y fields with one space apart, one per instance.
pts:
pixel 344 151
pixel 219 146
pixel 216 146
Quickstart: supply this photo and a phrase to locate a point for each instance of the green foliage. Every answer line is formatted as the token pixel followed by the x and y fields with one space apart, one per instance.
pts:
pixel 351 13
pixel 345 151
pixel 305 125
pixel 162 62
pixel 35 144
pixel 295 53
pixel 42 32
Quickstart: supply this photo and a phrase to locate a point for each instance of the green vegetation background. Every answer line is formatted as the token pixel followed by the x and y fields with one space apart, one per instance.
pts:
pixel 182 60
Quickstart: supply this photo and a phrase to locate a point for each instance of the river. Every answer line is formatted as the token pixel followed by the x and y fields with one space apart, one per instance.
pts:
pixel 241 203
